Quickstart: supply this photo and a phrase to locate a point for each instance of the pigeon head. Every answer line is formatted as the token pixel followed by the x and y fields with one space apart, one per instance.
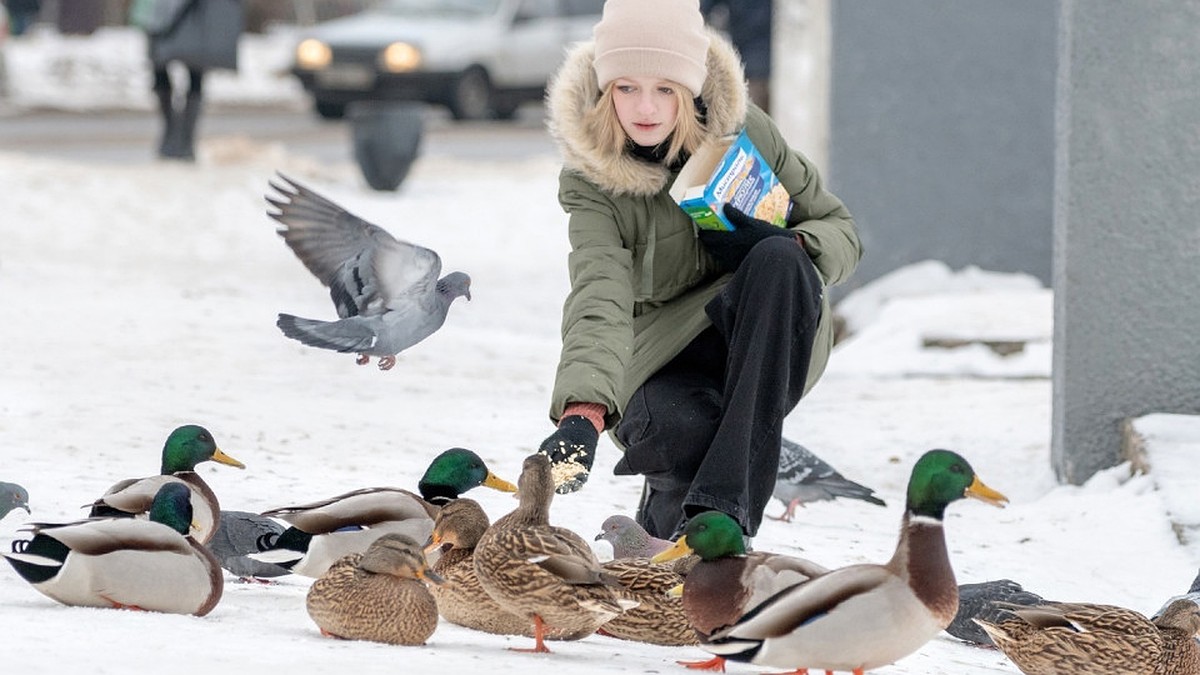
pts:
pixel 455 284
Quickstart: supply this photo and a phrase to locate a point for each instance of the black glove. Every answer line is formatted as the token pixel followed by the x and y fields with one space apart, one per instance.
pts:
pixel 571 449
pixel 729 248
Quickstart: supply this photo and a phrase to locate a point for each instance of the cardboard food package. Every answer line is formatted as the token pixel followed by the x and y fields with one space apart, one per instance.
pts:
pixel 732 171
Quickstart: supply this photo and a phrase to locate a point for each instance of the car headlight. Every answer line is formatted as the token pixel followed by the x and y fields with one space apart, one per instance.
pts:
pixel 400 57
pixel 312 54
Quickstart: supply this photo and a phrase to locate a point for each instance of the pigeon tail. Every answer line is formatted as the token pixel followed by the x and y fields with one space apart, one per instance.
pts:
pixel 843 487
pixel 342 336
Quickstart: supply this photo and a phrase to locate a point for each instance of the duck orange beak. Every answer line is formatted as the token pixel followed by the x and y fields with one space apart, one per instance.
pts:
pixel 496 483
pixel 435 542
pixel 222 458
pixel 977 490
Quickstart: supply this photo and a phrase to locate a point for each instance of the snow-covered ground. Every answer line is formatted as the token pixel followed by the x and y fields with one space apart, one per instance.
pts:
pixel 139 298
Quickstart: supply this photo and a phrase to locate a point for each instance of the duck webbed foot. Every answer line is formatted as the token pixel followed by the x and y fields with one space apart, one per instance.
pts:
pixel 716 663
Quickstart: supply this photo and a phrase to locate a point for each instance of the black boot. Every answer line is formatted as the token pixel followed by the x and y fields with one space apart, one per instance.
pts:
pixel 166 145
pixel 187 126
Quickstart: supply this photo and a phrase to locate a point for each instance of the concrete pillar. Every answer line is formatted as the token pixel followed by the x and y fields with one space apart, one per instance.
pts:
pixel 800 76
pixel 1126 224
pixel 942 141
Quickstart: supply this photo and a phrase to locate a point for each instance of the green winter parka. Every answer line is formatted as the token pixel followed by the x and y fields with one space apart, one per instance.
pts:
pixel 639 275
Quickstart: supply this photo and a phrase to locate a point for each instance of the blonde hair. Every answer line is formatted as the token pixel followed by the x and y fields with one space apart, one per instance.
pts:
pixel 689 132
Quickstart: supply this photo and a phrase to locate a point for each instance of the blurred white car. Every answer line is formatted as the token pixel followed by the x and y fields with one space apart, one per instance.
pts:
pixel 480 58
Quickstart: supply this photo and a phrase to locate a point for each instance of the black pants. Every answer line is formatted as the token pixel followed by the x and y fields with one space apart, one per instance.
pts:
pixel 705 430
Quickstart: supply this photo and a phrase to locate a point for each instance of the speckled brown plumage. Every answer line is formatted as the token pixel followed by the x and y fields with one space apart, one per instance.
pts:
pixel 377 595
pixel 1089 639
pixel 659 618
pixel 545 573
pixel 461 599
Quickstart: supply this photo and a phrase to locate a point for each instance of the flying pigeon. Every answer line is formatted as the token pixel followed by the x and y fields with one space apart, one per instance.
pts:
pixel 975 601
pixel 803 477
pixel 387 292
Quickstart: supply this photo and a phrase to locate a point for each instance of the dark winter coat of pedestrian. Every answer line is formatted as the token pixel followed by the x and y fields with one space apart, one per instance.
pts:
pixel 201 35
pixel 690 345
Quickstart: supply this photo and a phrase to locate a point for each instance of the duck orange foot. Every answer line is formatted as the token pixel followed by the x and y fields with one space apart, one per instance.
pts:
pixel 716 663
pixel 121 605
pixel 539 637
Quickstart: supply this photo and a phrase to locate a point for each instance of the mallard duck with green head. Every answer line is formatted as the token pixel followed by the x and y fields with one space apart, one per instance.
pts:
pixel 1091 639
pixel 728 581
pixel 322 532
pixel 379 595
pixel 185 447
pixel 153 564
pixel 546 574
pixel 861 617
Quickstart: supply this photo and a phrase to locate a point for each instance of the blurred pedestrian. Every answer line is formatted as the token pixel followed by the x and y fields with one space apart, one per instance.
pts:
pixel 690 345
pixel 201 35
pixel 22 14
pixel 748 24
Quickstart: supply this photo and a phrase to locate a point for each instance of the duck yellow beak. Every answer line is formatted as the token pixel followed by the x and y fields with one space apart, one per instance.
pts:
pixel 497 483
pixel 435 542
pixel 222 458
pixel 679 550
pixel 675 591
pixel 983 493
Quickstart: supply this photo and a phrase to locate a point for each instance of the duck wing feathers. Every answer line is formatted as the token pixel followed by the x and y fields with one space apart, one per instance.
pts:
pixel 132 498
pixel 363 508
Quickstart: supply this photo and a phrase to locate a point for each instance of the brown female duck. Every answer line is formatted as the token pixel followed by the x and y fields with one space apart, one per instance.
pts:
pixel 1090 639
pixel 659 618
pixel 377 595
pixel 461 599
pixel 544 573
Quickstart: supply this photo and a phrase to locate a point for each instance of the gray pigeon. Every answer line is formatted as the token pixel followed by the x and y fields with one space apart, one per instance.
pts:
pixel 630 540
pixel 13 496
pixel 387 292
pixel 238 533
pixel 803 477
pixel 976 601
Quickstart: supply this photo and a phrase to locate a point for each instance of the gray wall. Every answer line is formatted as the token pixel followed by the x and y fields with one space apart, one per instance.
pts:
pixel 942 131
pixel 1127 224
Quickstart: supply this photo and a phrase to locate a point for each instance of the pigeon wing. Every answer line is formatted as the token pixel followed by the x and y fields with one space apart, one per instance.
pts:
pixel 365 267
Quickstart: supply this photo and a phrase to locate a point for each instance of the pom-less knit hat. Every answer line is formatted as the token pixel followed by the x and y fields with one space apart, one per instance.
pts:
pixel 652 38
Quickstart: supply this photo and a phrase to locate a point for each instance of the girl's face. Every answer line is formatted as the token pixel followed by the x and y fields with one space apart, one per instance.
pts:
pixel 646 107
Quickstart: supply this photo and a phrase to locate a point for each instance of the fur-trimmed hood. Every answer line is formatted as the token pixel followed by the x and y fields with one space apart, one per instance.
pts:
pixel 573 91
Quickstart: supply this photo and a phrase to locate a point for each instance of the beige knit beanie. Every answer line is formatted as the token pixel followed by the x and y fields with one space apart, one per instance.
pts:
pixel 652 38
